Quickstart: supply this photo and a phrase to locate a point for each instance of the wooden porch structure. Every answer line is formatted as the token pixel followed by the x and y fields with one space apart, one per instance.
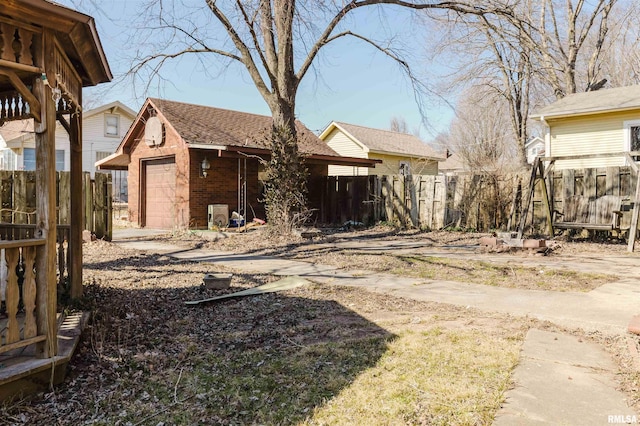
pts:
pixel 48 53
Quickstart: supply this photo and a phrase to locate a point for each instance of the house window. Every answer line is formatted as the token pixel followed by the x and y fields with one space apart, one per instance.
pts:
pixel 112 125
pixel 8 159
pixel 29 159
pixel 632 137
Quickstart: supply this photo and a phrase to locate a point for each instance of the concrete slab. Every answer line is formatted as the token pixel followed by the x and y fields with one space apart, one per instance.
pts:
pixel 561 380
pixel 607 309
pixel 136 233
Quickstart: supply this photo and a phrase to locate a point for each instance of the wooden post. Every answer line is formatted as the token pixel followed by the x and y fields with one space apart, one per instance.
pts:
pixel 77 207
pixel 99 202
pixel 633 230
pixel 525 206
pixel 545 199
pixel 108 209
pixel 46 206
pixel 88 202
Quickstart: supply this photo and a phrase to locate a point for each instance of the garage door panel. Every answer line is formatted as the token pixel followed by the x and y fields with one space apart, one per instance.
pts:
pixel 160 193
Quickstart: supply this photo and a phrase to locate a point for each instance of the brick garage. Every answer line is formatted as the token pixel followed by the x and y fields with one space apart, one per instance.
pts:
pixel 165 148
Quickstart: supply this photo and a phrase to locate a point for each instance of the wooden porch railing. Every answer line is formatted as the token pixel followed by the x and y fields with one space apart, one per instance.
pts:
pixel 18 282
pixel 20 294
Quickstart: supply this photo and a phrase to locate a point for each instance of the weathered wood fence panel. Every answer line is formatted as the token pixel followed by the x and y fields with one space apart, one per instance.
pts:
pixel 588 196
pixel 18 202
pixel 480 202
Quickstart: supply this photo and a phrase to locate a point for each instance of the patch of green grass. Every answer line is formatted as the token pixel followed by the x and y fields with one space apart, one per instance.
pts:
pixel 443 377
pixel 437 376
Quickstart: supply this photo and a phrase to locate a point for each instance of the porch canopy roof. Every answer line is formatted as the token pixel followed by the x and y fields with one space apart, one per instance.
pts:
pixel 76 34
pixel 230 133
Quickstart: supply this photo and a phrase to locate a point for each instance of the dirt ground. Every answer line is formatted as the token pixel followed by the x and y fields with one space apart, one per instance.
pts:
pixel 143 341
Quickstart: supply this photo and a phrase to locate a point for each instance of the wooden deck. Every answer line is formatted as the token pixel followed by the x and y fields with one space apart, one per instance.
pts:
pixel 22 373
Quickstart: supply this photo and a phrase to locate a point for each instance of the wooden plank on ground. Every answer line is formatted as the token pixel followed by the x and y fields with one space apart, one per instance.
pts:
pixel 280 285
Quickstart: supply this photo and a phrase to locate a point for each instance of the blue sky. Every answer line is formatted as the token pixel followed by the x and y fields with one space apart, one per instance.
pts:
pixel 358 85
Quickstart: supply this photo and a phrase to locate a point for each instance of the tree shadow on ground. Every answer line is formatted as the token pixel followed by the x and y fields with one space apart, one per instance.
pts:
pixel 147 358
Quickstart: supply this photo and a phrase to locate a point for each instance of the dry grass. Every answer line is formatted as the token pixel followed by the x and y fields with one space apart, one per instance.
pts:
pixel 314 354
pixel 409 262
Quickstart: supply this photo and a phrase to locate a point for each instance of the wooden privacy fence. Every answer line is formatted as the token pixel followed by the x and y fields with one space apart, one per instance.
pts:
pixel 18 202
pixel 478 202
pixel 18 228
pixel 428 202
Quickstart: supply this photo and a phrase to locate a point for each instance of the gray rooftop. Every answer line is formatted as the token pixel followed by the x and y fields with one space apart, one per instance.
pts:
pixel 606 100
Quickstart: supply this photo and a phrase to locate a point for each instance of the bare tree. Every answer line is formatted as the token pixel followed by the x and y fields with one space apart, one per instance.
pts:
pixel 480 134
pixel 398 124
pixel 621 52
pixel 528 53
pixel 277 43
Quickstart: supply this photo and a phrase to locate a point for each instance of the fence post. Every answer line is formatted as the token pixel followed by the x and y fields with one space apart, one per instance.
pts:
pixel 88 202
pixel 109 208
pixel 99 204
pixel 439 198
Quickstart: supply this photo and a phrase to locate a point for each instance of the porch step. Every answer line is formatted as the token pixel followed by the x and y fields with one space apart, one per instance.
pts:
pixel 22 374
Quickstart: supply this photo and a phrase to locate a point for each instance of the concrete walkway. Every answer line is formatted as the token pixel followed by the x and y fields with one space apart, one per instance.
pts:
pixel 559 380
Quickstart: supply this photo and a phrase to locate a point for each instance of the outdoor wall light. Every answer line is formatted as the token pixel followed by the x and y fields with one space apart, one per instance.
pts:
pixel 204 168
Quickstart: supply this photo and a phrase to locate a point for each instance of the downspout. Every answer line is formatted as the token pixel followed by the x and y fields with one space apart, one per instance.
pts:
pixel 547 137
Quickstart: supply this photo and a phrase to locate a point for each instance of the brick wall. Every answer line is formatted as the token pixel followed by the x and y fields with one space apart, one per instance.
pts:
pixel 221 186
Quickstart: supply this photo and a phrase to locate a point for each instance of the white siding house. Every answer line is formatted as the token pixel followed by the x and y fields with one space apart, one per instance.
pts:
pixel 586 125
pixel 534 148
pixel 102 131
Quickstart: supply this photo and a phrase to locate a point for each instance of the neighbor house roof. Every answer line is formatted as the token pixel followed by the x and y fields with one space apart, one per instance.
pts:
pixel 606 100
pixel 205 127
pixel 453 163
pixel 384 141
pixel 14 130
pixel 533 141
pixel 112 107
